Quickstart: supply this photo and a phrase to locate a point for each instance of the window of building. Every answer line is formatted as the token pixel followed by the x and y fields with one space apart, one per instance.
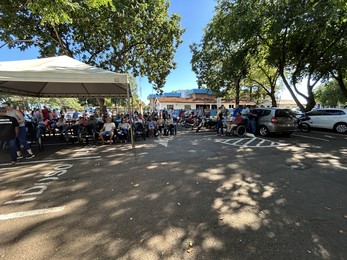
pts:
pixel 187 107
pixel 170 107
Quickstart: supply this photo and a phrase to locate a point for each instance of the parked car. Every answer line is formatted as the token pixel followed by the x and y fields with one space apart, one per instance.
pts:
pixel 328 118
pixel 276 120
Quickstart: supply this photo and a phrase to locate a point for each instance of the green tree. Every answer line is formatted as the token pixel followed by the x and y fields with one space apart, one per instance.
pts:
pixel 264 78
pixel 330 94
pixel 28 103
pixel 300 37
pixel 218 61
pixel 125 36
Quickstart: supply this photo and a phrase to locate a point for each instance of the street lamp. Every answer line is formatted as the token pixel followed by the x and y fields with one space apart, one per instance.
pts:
pixel 15 41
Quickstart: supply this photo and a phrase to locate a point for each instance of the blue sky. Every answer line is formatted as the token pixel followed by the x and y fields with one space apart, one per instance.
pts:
pixel 196 14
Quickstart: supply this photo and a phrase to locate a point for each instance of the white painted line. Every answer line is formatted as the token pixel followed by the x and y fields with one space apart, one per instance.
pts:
pixel 29 213
pixel 311 137
pixel 36 190
pixel 250 141
pixel 238 141
pixel 260 143
pixel 224 141
pixel 54 160
pixel 19 201
pixel 163 141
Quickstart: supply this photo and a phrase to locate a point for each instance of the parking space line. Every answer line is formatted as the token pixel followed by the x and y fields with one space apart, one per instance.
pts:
pixel 29 213
pixel 261 142
pixel 20 200
pixel 311 137
pixel 54 160
pixel 250 141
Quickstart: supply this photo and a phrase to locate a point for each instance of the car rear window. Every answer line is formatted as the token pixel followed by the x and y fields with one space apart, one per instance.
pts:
pixel 284 113
pixel 263 112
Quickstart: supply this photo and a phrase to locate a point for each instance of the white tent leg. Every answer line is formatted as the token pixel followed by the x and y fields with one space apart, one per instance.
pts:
pixel 131 123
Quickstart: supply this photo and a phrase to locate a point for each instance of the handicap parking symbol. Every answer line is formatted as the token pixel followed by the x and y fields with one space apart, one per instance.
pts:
pixel 255 142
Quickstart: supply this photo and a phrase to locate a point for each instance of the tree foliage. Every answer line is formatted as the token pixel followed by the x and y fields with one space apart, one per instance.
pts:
pixel 299 39
pixel 29 103
pixel 138 37
pixel 330 94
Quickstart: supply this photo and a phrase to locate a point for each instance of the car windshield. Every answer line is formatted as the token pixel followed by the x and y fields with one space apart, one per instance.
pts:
pixel 284 113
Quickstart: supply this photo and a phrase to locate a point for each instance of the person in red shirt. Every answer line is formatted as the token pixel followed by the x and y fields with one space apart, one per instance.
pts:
pixel 238 120
pixel 45 113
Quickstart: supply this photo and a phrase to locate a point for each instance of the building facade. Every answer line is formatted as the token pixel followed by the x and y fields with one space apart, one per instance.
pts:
pixel 190 100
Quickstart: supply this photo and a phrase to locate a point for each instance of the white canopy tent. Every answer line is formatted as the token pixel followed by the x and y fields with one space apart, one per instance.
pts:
pixel 60 77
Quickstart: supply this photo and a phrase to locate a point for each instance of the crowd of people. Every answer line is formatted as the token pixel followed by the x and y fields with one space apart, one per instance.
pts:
pixel 109 127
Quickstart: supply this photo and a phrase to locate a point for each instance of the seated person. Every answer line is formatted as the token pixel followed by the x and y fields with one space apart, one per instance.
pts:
pixel 169 124
pixel 160 124
pixel 152 127
pixel 63 126
pixel 140 119
pixel 92 124
pixel 236 121
pixel 107 129
pixel 123 129
pixel 78 125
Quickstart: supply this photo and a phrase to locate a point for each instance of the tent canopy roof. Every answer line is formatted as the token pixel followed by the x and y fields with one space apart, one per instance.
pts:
pixel 60 77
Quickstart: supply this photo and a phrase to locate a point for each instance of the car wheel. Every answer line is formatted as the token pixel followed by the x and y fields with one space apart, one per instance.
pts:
pixel 341 128
pixel 304 127
pixel 264 131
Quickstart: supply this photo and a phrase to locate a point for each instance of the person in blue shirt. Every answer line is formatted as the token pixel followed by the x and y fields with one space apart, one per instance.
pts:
pixel 252 120
pixel 237 110
pixel 75 115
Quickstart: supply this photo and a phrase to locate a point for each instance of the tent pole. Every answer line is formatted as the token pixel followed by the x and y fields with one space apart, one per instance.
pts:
pixel 131 123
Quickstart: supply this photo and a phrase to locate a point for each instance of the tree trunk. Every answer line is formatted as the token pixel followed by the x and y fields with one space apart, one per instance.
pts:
pixel 273 99
pixel 297 101
pixel 340 81
pixel 101 102
pixel 237 89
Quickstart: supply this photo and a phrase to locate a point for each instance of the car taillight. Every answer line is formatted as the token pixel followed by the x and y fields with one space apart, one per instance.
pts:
pixel 274 120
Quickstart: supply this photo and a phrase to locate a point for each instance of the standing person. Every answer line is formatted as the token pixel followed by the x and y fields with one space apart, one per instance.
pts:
pixel 237 109
pixel 252 120
pixel 245 112
pixel 9 129
pixel 21 139
pixel 45 113
pixel 164 114
pixel 220 122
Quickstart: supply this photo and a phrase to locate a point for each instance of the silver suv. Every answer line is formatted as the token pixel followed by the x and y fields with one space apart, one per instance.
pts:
pixel 276 120
pixel 329 118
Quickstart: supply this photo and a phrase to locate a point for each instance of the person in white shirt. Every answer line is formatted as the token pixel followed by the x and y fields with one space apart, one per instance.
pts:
pixel 123 129
pixel 63 126
pixel 107 129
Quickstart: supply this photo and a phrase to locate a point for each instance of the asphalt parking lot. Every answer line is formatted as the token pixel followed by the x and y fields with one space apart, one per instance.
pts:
pixel 190 196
